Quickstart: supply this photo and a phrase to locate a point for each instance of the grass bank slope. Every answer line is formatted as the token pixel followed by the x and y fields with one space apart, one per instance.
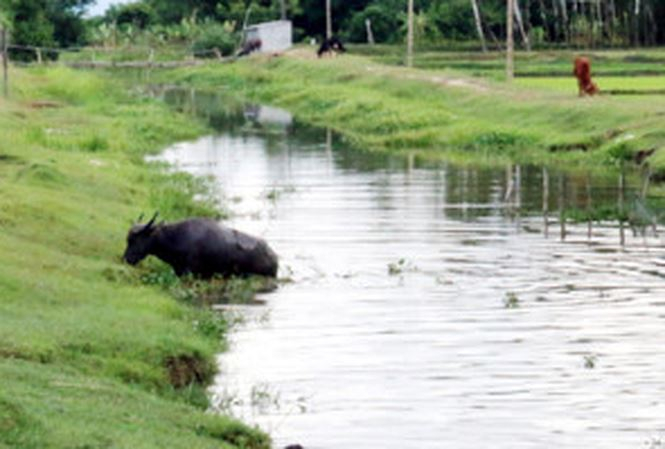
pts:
pixel 393 108
pixel 90 357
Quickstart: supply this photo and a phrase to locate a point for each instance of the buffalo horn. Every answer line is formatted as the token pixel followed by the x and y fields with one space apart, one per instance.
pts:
pixel 151 222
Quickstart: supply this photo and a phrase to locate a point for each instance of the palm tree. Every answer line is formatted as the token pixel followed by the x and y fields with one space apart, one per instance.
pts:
pixel 282 4
pixel 510 44
pixel 479 24
pixel 520 24
pixel 409 36
pixel 328 20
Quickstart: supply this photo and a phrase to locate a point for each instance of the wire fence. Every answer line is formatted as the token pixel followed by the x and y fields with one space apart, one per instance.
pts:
pixel 49 54
pixel 87 57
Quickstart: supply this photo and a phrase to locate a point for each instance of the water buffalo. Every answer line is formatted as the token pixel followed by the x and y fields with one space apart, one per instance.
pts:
pixel 248 47
pixel 201 247
pixel 331 46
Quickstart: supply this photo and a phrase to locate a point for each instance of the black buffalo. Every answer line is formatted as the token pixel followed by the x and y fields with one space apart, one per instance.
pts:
pixel 332 46
pixel 250 46
pixel 201 247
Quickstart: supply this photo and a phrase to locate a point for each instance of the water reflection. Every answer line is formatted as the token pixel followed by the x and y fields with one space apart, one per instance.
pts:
pixel 431 306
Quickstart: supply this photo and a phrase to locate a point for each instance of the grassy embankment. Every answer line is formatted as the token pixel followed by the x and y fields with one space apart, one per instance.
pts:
pixel 444 111
pixel 93 354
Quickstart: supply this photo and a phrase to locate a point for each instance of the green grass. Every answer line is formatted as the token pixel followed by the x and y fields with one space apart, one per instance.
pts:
pixel 396 109
pixel 538 63
pixel 124 53
pixel 88 352
pixel 605 83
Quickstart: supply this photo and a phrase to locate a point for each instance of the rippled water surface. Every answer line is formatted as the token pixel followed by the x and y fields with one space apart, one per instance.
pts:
pixel 436 307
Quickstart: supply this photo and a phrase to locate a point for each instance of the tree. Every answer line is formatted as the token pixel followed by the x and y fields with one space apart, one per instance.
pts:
pixel 139 15
pixel 409 34
pixel 539 22
pixel 479 24
pixel 67 19
pixel 384 23
pixel 328 20
pixel 282 7
pixel 510 63
pixel 45 23
pixel 520 24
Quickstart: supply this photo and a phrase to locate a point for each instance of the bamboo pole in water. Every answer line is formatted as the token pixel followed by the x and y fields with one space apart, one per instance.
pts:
pixel 562 206
pixel 546 202
pixel 589 207
pixel 646 181
pixel 329 142
pixel 622 228
pixel 517 202
pixel 510 183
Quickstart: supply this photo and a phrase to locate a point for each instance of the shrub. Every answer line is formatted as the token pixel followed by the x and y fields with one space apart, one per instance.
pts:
pixel 214 36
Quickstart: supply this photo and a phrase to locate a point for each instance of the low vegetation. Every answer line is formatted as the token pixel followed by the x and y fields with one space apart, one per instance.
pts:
pixel 94 353
pixel 545 63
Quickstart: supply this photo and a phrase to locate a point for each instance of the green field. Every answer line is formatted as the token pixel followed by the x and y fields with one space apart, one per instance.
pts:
pixel 537 63
pixel 621 72
pixel 609 84
pixel 93 353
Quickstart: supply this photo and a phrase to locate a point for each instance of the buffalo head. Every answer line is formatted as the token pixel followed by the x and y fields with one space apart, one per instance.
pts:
pixel 138 241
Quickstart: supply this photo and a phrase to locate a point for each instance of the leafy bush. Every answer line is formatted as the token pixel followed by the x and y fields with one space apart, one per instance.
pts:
pixel 213 36
pixel 384 24
pixel 140 15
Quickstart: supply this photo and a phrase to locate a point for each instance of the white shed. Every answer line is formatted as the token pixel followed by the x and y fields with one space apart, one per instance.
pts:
pixel 276 36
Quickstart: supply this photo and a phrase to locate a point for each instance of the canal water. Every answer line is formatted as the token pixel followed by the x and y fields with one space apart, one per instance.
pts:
pixel 431 305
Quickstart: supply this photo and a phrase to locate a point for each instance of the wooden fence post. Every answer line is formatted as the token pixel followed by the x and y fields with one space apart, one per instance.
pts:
pixel 4 44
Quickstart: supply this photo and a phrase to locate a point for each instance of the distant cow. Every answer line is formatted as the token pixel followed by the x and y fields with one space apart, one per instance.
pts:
pixel 582 72
pixel 201 247
pixel 331 46
pixel 250 46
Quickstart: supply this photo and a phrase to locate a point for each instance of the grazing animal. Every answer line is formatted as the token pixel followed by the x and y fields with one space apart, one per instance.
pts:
pixel 331 46
pixel 250 46
pixel 582 72
pixel 643 155
pixel 201 247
